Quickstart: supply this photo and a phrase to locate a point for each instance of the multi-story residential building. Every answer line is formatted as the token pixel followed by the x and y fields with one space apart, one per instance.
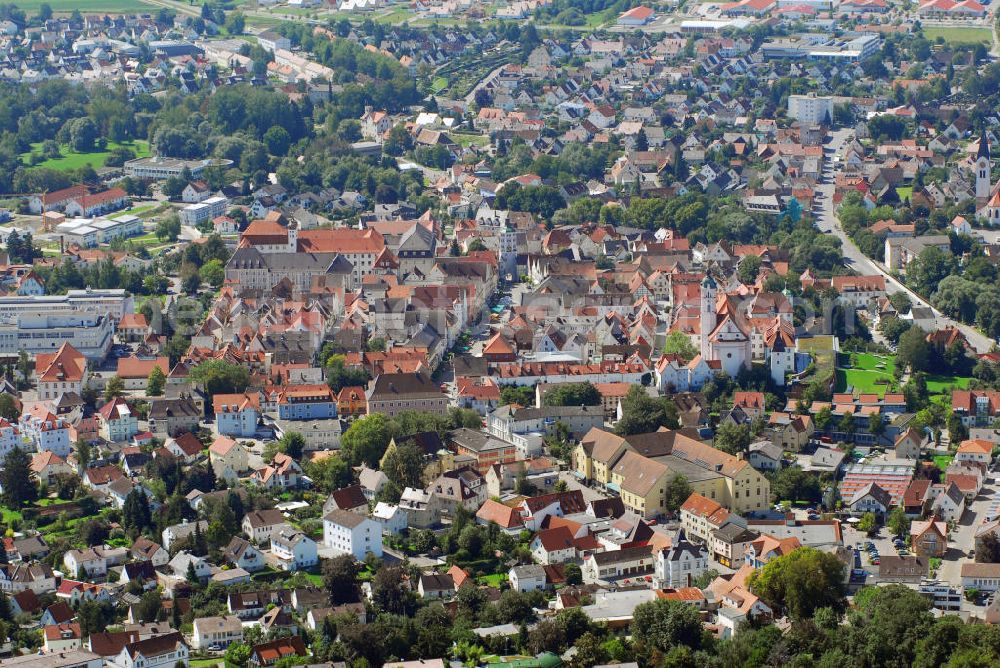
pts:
pixel 929 538
pixel 813 109
pixel 681 563
pixel 174 416
pixel 229 459
pixel 242 554
pixel 307 402
pixel 216 632
pixel 350 533
pixel 46 432
pixel 976 408
pixel 393 393
pixel 701 516
pixel 293 550
pixel 260 525
pixel 976 451
pixel 60 372
pixel 117 422
pixel 174 534
pixel 10 438
pixel 642 483
pixel 237 414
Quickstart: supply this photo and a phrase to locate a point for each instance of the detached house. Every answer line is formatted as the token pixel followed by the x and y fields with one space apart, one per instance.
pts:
pixel 228 458
pixel 242 554
pixel 282 473
pixel 350 533
pixel 165 651
pixel 293 550
pixel 260 525
pixel 116 421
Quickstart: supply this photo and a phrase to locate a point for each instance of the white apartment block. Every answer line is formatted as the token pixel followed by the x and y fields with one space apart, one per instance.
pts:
pixel 810 108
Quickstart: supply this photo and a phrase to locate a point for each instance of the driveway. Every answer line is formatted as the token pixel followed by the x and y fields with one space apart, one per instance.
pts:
pixel 963 537
pixel 572 483
pixel 827 222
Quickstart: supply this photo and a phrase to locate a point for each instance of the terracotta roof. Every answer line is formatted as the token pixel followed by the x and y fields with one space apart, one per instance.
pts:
pixel 66 364
pixel 504 516
pixel 135 367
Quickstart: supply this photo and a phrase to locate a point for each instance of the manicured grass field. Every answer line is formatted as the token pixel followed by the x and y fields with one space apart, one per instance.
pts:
pixel 904 192
pixel 439 84
pixel 494 580
pixel 73 160
pixel 31 7
pixel 866 373
pixel 940 384
pixel 959 34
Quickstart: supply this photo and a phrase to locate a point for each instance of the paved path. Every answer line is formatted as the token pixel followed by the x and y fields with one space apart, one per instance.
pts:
pixel 827 222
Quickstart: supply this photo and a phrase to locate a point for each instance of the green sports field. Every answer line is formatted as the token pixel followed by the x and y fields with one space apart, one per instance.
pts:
pixel 959 34
pixel 72 160
pixel 31 7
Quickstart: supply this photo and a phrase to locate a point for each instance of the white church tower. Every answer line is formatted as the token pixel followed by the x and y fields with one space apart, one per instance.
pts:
pixel 293 236
pixel 983 185
pixel 708 321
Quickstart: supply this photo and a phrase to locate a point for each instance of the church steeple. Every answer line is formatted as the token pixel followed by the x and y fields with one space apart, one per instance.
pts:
pixel 984 147
pixel 983 182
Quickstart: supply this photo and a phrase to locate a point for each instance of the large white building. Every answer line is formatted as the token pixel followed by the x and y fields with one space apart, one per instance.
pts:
pixel 811 108
pixel 345 532
pixel 160 168
pixel 89 232
pixel 201 212
pixel 40 333
pixel 113 303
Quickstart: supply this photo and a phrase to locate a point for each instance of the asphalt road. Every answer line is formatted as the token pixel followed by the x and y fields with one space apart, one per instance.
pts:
pixel 827 222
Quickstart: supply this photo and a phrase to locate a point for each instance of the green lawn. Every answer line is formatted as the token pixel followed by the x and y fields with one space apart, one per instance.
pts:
pixel 204 663
pixel 470 140
pixel 943 384
pixel 904 192
pixel 142 208
pixel 396 16
pixel 959 34
pixel 864 376
pixel 494 580
pixel 439 84
pixel 942 461
pixel 31 7
pixel 73 160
